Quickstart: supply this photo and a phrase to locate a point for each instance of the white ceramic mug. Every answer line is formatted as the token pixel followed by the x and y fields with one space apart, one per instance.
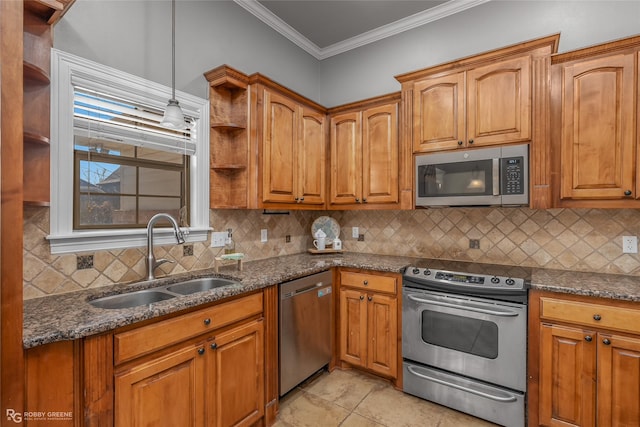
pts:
pixel 320 243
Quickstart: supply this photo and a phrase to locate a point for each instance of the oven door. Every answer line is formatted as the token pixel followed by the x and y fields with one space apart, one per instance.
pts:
pixel 475 337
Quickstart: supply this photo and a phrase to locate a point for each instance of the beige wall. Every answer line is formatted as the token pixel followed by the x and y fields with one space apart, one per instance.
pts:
pixel 568 239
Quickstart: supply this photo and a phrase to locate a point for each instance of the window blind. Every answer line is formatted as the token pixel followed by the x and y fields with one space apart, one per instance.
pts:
pixel 105 115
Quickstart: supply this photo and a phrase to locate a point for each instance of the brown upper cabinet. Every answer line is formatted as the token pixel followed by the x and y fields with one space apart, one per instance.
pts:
pixel 483 106
pixel 293 151
pixel 594 121
pixel 365 154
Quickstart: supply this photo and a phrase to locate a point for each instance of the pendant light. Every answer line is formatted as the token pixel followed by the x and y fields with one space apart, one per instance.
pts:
pixel 173 117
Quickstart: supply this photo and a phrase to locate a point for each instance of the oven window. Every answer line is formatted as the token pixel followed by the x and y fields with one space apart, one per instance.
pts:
pixel 473 336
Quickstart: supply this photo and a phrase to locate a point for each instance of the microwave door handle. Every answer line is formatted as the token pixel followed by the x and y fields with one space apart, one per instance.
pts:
pixel 496 177
pixel 462 306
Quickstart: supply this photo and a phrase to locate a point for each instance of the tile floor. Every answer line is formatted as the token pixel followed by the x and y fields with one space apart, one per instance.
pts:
pixel 355 399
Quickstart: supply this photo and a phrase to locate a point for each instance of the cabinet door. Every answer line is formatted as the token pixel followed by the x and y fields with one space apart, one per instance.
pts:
pixel 567 376
pixel 237 372
pixel 311 162
pixel 618 381
pixel 438 113
pixel 499 102
pixel 346 158
pixel 380 154
pixel 353 327
pixel 168 391
pixel 598 148
pixel 279 148
pixel 382 329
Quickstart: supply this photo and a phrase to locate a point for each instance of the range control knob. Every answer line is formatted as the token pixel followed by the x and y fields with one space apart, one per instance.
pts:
pixel 495 280
pixel 416 270
pixel 427 272
pixel 510 282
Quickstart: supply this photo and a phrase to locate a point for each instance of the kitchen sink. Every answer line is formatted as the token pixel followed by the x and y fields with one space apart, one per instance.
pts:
pixel 199 285
pixel 131 299
pixel 149 296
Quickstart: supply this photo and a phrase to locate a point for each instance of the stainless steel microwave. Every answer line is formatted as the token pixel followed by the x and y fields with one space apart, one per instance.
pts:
pixel 478 177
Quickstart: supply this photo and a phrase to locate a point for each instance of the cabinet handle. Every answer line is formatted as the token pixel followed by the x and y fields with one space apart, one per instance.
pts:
pixel 207 321
pixel 366 282
pixel 606 341
pixel 213 346
pixel 588 338
pixel 596 317
pixel 361 297
pixel 627 193
pixel 201 351
pixel 471 141
pixel 460 142
pixel 370 298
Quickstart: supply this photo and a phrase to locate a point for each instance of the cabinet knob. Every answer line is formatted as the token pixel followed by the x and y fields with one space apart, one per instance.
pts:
pixel 460 142
pixel 627 193
pixel 201 351
pixel 597 317
pixel 207 321
pixel 361 297
pixel 296 199
pixel 357 200
pixel 588 338
pixel 301 199
pixel 471 141
pixel 606 341
pixel 364 200
pixel 366 282
pixel 370 298
pixel 213 346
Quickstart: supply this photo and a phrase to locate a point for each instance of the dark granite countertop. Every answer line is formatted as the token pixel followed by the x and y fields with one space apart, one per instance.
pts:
pixel 71 316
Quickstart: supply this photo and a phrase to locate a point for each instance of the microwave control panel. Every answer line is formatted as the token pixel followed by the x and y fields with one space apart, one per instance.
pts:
pixel 512 170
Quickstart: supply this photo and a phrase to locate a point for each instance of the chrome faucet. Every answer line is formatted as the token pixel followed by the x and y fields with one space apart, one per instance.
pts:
pixel 152 264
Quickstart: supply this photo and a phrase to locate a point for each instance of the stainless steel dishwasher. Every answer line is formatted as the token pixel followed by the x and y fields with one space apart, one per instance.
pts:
pixel 305 328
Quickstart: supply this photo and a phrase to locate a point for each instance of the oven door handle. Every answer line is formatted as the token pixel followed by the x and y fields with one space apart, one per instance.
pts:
pixel 463 306
pixel 510 398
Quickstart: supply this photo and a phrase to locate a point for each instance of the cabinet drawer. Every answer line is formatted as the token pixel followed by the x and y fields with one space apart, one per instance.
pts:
pixel 131 344
pixel 368 281
pixel 582 313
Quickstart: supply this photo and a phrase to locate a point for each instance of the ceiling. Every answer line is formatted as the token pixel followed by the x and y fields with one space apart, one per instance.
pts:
pixel 325 28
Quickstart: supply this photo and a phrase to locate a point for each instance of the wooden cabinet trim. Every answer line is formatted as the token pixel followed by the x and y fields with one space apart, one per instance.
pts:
pixel 545 45
pixel 364 104
pixel 598 49
pixel 369 282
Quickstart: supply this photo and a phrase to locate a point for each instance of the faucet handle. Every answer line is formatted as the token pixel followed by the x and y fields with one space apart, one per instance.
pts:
pixel 162 261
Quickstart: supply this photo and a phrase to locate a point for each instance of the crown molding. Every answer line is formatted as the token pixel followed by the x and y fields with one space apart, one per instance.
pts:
pixel 441 11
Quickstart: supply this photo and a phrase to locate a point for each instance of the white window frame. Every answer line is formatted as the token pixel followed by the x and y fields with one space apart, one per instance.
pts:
pixel 63 238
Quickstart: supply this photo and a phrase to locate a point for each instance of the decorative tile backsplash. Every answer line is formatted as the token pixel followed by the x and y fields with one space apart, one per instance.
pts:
pixel 567 239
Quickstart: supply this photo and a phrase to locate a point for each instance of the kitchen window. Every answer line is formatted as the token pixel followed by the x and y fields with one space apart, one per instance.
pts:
pixel 113 166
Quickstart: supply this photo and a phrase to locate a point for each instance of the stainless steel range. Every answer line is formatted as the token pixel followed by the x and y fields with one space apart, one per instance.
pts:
pixel 464 343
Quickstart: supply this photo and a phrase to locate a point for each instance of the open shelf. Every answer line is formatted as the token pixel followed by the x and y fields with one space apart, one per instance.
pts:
pixel 228 127
pixel 34 138
pixel 229 167
pixel 34 74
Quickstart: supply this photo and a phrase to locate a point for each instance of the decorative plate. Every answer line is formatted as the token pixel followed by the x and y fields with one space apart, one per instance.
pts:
pixel 327 224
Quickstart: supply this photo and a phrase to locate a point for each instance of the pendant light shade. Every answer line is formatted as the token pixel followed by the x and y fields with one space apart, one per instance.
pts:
pixel 173 117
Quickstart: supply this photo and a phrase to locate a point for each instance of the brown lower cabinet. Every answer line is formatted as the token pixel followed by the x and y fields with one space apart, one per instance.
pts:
pixel 368 333
pixel 588 370
pixel 202 368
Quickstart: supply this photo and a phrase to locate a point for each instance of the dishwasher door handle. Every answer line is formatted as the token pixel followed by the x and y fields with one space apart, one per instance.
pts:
pixel 308 288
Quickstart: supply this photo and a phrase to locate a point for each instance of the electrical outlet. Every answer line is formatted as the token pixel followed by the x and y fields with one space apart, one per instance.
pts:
pixel 218 238
pixel 355 232
pixel 474 244
pixel 287 238
pixel 361 238
pixel 629 244
pixel 263 235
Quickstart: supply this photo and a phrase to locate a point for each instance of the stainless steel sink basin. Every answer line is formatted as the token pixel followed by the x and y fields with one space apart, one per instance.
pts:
pixel 149 296
pixel 131 299
pixel 199 285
